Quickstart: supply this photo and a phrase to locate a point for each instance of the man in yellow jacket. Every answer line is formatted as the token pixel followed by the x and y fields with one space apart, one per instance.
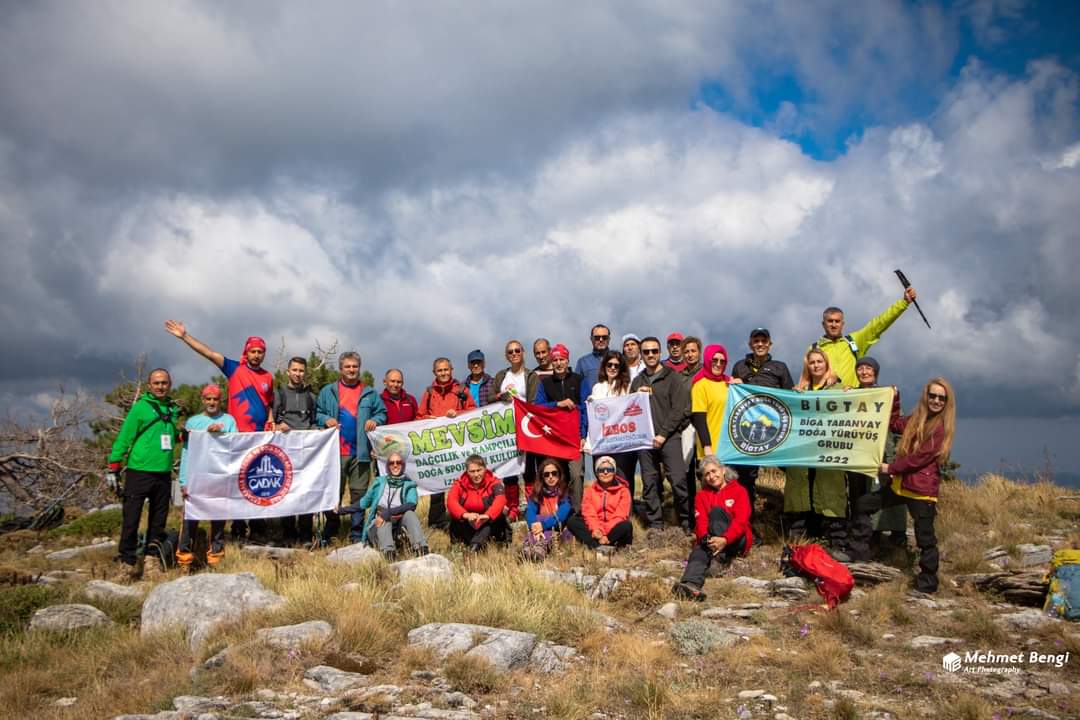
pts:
pixel 845 349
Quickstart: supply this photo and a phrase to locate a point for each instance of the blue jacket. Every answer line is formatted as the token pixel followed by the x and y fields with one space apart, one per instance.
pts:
pixel 407 502
pixel 532 514
pixel 588 367
pixel 370 407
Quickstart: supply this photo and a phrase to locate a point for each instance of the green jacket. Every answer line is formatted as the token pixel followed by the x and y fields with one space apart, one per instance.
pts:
pixel 842 355
pixel 139 441
pixel 408 498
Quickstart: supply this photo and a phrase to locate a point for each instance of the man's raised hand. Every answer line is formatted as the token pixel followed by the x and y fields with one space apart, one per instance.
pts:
pixel 175 328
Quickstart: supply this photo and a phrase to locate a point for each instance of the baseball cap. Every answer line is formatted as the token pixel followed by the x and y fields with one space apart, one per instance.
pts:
pixel 631 336
pixel 760 331
pixel 675 336
pixel 476 355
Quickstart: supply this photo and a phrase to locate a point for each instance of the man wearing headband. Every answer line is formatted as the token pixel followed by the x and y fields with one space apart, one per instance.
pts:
pixel 564 389
pixel 250 389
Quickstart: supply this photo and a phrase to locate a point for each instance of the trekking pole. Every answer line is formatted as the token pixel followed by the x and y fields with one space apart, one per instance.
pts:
pixel 906 284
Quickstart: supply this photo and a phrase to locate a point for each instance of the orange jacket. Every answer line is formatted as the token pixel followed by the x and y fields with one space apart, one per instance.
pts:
pixel 603 508
pixel 437 399
pixel 487 499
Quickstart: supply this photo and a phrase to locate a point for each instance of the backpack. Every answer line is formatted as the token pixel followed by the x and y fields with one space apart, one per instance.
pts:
pixel 1063 597
pixel 282 406
pixel 852 346
pixel 832 578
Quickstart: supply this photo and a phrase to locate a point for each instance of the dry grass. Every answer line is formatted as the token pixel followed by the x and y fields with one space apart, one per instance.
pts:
pixel 633 673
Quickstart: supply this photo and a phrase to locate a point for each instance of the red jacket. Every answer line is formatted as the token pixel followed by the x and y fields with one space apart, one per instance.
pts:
pixel 602 508
pixel 733 498
pixel 403 409
pixel 919 471
pixel 438 399
pixel 487 499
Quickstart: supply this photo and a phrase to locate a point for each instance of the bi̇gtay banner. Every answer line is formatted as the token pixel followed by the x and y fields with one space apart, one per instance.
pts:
pixel 825 429
pixel 435 449
pixel 620 424
pixel 244 476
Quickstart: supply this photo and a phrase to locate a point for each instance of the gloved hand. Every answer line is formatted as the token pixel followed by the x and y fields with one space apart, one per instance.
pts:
pixel 112 481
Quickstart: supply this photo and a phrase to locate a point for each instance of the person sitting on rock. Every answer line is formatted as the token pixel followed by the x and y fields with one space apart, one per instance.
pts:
pixel 604 522
pixel 390 504
pixel 547 511
pixel 721 526
pixel 475 502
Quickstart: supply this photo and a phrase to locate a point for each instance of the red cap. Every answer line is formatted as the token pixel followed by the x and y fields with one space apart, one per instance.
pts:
pixel 211 390
pixel 560 351
pixel 675 336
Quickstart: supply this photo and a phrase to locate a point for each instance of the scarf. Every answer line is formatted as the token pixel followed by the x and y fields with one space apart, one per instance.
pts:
pixel 706 373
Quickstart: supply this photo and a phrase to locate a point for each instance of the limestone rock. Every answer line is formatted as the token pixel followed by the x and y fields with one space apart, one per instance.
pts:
pixel 426 567
pixel 504 649
pixel 925 641
pixel 872 573
pixel 105 590
pixel 551 658
pixel 331 680
pixel 196 705
pixel 668 610
pixel 68 553
pixel 790 588
pixel 293 637
pixel 610 624
pixel 68 617
pixel 754 583
pixel 271 553
pixel 38 549
pixel 1031 554
pixel 355 554
pixel 200 602
pixel 727 612
pixel 1025 619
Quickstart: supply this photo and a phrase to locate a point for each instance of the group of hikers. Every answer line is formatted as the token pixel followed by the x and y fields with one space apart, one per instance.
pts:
pixel 687 394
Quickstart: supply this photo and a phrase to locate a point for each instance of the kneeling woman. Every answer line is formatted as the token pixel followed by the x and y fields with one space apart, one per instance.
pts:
pixel 925 441
pixel 547 511
pixel 605 510
pixel 475 502
pixel 391 503
pixel 721 526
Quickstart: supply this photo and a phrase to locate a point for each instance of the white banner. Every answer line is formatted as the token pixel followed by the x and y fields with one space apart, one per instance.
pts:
pixel 245 476
pixel 620 424
pixel 435 449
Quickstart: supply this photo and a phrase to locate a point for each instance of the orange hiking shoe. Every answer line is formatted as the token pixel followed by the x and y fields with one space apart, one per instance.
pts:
pixel 213 558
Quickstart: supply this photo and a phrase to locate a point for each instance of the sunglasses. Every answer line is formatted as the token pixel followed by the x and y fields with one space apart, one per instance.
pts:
pixel 514 351
pixel 613 365
pixel 605 470
pixel 550 473
pixel 600 337
pixel 650 351
pixel 936 396
pixel 395 462
pixel 719 359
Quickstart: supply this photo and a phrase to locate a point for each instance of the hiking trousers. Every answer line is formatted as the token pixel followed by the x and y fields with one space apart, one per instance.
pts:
pixel 620 535
pixel 355 474
pixel 923 513
pixel 670 455
pixel 464 532
pixel 153 488
pixel 384 534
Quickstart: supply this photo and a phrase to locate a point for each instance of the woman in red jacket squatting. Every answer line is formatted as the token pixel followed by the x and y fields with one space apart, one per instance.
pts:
pixel 925 441
pixel 604 522
pixel 476 502
pixel 721 526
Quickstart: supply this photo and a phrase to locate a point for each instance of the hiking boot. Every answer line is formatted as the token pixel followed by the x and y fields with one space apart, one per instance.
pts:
pixel 186 568
pixel 124 573
pixel 213 558
pixel 422 551
pixel 684 591
pixel 153 571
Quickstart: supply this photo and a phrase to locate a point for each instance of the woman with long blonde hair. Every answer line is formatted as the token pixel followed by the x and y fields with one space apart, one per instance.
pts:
pixel 925 442
pixel 815 499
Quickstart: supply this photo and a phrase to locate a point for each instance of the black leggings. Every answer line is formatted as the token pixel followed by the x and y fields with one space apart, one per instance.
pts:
pixel 922 514
pixel 620 535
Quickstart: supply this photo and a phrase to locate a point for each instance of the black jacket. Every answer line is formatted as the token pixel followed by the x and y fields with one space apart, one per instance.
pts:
pixel 772 373
pixel 669 400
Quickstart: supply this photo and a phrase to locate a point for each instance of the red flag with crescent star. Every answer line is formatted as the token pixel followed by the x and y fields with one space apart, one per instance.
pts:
pixel 547 431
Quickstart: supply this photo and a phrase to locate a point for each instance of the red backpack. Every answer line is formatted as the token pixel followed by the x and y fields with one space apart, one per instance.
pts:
pixel 832 578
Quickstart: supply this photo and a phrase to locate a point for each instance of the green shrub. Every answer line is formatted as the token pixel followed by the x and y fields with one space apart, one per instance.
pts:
pixel 95 524
pixel 19 602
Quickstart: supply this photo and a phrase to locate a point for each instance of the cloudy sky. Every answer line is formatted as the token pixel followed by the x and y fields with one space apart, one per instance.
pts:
pixel 418 179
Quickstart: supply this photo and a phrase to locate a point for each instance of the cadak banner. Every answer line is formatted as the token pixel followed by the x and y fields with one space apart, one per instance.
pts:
pixel 825 429
pixel 244 476
pixel 435 449
pixel 620 424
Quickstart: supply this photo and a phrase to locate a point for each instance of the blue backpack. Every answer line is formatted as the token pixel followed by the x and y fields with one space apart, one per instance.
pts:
pixel 1063 597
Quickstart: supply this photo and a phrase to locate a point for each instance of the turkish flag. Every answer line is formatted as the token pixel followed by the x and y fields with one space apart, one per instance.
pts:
pixel 553 432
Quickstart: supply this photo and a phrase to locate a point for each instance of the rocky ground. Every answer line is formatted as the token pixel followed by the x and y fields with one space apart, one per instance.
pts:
pixel 280 633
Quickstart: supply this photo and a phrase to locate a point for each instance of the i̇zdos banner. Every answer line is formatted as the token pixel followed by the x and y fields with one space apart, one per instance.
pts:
pixel 825 429
pixel 243 476
pixel 620 424
pixel 435 449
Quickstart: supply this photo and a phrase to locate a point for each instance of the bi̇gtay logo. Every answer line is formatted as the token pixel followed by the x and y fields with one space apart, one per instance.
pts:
pixel 265 475
pixel 759 424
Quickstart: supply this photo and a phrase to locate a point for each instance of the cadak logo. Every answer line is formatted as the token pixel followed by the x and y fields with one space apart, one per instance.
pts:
pixel 759 424
pixel 265 475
